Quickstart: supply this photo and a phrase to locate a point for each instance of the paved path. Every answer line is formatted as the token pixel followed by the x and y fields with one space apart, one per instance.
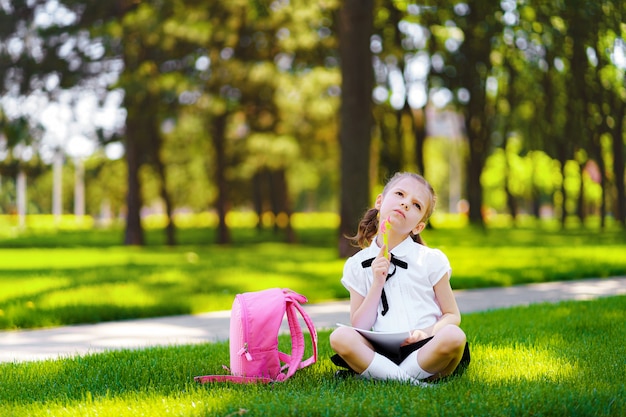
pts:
pixel 30 345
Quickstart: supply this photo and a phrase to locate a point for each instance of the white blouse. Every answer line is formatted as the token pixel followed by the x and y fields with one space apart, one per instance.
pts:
pixel 410 294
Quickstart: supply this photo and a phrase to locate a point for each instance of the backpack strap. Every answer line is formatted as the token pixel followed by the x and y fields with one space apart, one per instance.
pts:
pixel 294 361
pixel 232 378
pixel 312 332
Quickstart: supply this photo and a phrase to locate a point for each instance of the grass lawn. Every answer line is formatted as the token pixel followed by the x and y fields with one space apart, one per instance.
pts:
pixel 553 360
pixel 70 277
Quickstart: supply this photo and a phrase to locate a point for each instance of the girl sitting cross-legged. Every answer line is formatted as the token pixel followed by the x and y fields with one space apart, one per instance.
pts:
pixel 407 290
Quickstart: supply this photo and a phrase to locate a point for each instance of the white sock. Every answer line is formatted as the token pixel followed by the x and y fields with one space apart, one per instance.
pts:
pixel 412 367
pixel 383 369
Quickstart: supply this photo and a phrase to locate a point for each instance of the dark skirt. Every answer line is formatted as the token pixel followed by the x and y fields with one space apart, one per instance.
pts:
pixel 398 357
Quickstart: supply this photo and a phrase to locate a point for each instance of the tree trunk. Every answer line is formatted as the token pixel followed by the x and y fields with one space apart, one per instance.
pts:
pixel 563 159
pixel 155 144
pixel 257 197
pixel 170 228
pixel 419 130
pixel 134 231
pixel 79 189
pixel 477 136
pixel 390 155
pixel 21 197
pixel 274 196
pixel 474 188
pixel 580 204
pixel 221 205
pixel 479 28
pixel 283 206
pixel 536 203
pixel 57 187
pixel 597 150
pixel 618 162
pixel 356 26
pixel 511 201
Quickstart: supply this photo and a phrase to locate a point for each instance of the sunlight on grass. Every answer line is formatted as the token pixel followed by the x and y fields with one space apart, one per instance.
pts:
pixel 186 403
pixel 253 280
pixel 313 268
pixel 30 286
pixel 170 276
pixel 48 258
pixel 497 364
pixel 122 294
pixel 510 265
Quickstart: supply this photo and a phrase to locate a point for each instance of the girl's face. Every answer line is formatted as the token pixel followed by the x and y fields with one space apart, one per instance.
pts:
pixel 405 203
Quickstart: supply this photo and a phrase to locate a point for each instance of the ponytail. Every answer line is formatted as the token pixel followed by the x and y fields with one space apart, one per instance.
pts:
pixel 368 228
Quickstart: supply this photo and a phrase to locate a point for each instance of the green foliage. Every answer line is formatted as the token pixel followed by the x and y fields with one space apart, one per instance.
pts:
pixel 273 69
pixel 568 362
pixel 82 276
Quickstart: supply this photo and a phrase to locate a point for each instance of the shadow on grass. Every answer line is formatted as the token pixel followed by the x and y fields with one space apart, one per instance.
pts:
pixel 70 279
pixel 157 282
pixel 103 238
pixel 92 295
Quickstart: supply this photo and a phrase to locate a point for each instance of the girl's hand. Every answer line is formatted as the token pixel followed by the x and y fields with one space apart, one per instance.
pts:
pixel 363 310
pixel 380 267
pixel 415 337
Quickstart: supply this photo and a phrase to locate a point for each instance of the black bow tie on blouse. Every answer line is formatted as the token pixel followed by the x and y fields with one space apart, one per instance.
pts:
pixel 396 263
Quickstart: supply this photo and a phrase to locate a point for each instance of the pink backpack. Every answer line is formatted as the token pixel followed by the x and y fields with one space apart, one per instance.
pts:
pixel 255 322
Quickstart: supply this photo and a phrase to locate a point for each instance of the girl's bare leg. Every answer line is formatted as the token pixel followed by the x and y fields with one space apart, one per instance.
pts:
pixel 442 354
pixel 352 347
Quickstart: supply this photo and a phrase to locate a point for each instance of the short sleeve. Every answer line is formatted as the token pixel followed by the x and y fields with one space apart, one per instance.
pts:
pixel 355 276
pixel 440 266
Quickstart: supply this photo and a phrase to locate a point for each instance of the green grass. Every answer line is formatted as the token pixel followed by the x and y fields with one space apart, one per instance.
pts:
pixel 552 360
pixel 76 276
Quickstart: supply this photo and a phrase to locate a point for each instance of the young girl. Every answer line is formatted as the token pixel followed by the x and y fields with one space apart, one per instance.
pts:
pixel 409 291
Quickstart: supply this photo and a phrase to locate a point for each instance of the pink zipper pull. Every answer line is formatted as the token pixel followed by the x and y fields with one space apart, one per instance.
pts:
pixel 244 350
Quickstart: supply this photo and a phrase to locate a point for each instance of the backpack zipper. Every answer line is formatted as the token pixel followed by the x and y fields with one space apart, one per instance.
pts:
pixel 244 350
pixel 244 321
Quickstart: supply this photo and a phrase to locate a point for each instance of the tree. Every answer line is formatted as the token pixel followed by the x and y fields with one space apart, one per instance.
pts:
pixel 355 29
pixel 262 76
pixel 155 42
pixel 155 46
pixel 477 20
pixel 609 96
pixel 262 85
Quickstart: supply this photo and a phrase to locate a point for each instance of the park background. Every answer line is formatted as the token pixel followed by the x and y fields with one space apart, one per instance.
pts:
pixel 121 110
pixel 158 157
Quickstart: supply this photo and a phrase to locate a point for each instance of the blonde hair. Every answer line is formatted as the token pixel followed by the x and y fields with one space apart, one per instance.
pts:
pixel 368 226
